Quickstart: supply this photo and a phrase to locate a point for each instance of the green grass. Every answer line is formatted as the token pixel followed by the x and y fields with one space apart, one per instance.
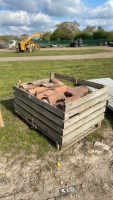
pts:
pixel 52 53
pixel 16 135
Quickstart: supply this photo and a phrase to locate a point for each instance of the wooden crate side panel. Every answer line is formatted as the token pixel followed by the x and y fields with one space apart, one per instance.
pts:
pixel 40 117
pixel 83 128
pixel 84 106
pixel 88 97
pixel 83 121
pixel 79 81
pixel 47 106
pixel 41 110
pixel 89 83
pixel 40 125
pixel 64 77
pixel 78 138
pixel 83 114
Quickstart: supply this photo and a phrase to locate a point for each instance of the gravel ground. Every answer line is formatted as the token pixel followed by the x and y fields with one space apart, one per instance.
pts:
pixel 90 170
pixel 62 57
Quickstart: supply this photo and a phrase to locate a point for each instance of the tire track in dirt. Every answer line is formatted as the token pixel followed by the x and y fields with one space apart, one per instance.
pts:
pixel 63 57
pixel 66 57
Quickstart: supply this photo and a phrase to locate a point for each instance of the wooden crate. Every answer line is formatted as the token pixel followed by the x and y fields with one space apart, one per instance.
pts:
pixel 77 119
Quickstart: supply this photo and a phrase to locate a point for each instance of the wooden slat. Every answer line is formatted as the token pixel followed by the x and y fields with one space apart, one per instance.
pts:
pixel 83 128
pixel 42 118
pixel 55 110
pixel 78 138
pixel 1 121
pixel 81 115
pixel 83 121
pixel 40 125
pixel 89 83
pixel 88 97
pixel 79 81
pixel 84 106
pixel 64 77
pixel 40 109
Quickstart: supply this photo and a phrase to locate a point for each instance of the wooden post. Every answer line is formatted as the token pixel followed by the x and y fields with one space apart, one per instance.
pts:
pixel 1 121
pixel 52 76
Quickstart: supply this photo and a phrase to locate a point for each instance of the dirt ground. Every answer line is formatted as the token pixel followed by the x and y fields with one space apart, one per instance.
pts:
pixel 64 57
pixel 87 169
pixel 90 170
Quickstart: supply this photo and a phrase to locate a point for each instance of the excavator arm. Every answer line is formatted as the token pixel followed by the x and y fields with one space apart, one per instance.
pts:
pixel 27 40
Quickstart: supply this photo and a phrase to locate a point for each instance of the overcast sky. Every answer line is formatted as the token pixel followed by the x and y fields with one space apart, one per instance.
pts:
pixel 28 16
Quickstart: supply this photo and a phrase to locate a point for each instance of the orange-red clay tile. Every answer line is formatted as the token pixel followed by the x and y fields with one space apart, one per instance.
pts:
pixel 45 93
pixel 77 91
pixel 54 98
pixel 37 90
pixel 61 89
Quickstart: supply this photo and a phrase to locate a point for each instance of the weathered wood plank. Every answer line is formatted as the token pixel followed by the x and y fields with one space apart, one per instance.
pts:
pixel 87 112
pixel 83 121
pixel 42 118
pixel 64 77
pixel 40 125
pixel 69 143
pixel 40 109
pixel 53 109
pixel 88 97
pixel 85 105
pixel 89 83
pixel 83 128
pixel 79 81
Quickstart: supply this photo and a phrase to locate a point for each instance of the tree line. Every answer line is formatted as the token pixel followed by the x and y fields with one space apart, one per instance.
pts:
pixel 71 31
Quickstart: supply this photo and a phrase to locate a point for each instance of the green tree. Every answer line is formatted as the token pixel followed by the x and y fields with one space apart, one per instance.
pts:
pixel 65 31
pixel 90 29
pixel 83 36
pixel 8 37
pixel 110 36
pixel 55 35
pixel 99 28
pixel 24 36
pixel 46 36
pixel 100 34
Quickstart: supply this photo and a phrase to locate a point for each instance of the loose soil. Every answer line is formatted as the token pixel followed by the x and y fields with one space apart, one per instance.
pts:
pixel 24 177
pixel 90 170
pixel 64 57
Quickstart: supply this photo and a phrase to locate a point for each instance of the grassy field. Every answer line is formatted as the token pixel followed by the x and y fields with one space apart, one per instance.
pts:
pixel 52 53
pixel 16 135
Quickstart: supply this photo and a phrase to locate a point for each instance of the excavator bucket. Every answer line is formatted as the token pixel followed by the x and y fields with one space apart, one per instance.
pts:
pixel 1 121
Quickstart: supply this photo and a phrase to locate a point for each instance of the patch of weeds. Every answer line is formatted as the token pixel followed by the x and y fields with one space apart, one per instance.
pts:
pixel 105 123
pixel 96 135
pixel 50 165
pixel 64 156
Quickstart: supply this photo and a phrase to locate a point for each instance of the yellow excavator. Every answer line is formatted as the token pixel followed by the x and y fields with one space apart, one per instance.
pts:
pixel 27 44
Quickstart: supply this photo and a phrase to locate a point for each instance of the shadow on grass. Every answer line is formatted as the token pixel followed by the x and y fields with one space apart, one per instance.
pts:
pixel 9 105
pixel 109 116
